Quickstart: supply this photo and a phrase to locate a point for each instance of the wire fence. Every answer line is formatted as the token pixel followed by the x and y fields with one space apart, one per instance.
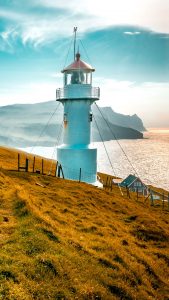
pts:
pixel 25 162
pixel 153 197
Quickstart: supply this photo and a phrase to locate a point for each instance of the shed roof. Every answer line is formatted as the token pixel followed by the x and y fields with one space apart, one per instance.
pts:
pixel 128 180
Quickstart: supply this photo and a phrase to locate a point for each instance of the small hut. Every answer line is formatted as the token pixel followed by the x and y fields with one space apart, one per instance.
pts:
pixel 135 184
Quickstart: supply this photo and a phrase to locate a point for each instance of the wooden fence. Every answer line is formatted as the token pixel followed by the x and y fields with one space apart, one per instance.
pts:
pixel 37 165
pixel 155 198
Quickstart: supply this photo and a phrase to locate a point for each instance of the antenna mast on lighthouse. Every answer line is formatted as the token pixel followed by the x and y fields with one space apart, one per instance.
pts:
pixel 75 30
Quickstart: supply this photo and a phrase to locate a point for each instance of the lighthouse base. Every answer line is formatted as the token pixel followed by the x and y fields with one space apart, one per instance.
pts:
pixel 78 164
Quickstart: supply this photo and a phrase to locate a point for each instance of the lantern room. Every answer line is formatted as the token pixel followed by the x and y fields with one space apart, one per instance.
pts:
pixel 79 72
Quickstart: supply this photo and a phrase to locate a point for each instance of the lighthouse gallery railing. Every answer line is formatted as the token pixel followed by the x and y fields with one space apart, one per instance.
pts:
pixel 93 92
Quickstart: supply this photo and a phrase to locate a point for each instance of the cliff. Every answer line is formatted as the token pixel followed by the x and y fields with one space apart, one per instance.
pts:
pixel 133 121
pixel 22 124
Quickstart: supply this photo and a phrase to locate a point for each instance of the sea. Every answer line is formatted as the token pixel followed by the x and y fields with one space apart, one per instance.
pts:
pixel 148 158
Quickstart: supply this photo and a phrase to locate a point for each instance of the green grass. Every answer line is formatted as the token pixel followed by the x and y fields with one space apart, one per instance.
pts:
pixel 70 240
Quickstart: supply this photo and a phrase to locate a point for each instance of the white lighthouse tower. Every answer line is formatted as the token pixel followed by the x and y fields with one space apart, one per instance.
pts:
pixel 76 155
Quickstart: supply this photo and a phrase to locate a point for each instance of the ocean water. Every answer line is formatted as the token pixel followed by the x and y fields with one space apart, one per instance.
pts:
pixel 148 158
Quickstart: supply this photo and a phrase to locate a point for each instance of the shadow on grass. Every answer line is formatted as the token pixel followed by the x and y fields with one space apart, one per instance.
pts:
pixel 21 209
pixel 50 235
pixel 8 275
pixel 120 292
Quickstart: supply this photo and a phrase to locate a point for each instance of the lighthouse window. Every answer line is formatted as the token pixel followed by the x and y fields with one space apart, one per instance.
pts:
pixel 88 78
pixel 82 78
pixel 77 77
pixel 65 118
pixel 90 117
pixel 65 79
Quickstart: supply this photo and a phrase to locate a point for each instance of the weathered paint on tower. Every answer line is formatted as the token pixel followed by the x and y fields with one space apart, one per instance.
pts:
pixel 77 95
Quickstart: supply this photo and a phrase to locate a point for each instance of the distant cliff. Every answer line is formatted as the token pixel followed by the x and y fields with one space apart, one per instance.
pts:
pixel 123 120
pixel 22 124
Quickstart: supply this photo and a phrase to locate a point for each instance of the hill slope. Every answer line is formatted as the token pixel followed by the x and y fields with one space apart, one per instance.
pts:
pixel 22 124
pixel 67 240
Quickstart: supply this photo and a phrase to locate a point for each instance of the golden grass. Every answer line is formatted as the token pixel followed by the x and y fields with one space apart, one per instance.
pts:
pixel 67 240
pixel 9 161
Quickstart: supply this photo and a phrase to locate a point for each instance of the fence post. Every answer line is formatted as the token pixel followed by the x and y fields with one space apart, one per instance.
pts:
pixel 80 174
pixel 111 184
pixel 59 171
pixel 147 197
pixel 127 190
pixel 42 165
pixel 137 194
pixel 56 168
pixel 110 181
pixel 152 199
pixel 106 181
pixel 34 164
pixel 27 165
pixel 18 161
pixel 128 193
pixel 62 172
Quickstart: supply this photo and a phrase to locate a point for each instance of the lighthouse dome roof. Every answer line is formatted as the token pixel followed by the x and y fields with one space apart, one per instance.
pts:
pixel 78 64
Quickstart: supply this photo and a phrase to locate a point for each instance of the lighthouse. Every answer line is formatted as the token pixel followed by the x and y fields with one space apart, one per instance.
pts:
pixel 76 155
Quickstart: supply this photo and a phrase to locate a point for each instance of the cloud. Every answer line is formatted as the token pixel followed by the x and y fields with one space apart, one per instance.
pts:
pixel 112 84
pixel 132 32
pixel 38 27
pixel 43 21
pixel 148 100
pixel 146 13
pixel 11 15
pixel 8 39
pixel 57 75
pixel 32 92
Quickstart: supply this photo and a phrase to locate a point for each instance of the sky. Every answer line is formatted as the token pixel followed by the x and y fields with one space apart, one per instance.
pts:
pixel 126 41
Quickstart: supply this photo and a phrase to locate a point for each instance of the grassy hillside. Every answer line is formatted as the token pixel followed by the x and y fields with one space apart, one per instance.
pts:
pixel 67 240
